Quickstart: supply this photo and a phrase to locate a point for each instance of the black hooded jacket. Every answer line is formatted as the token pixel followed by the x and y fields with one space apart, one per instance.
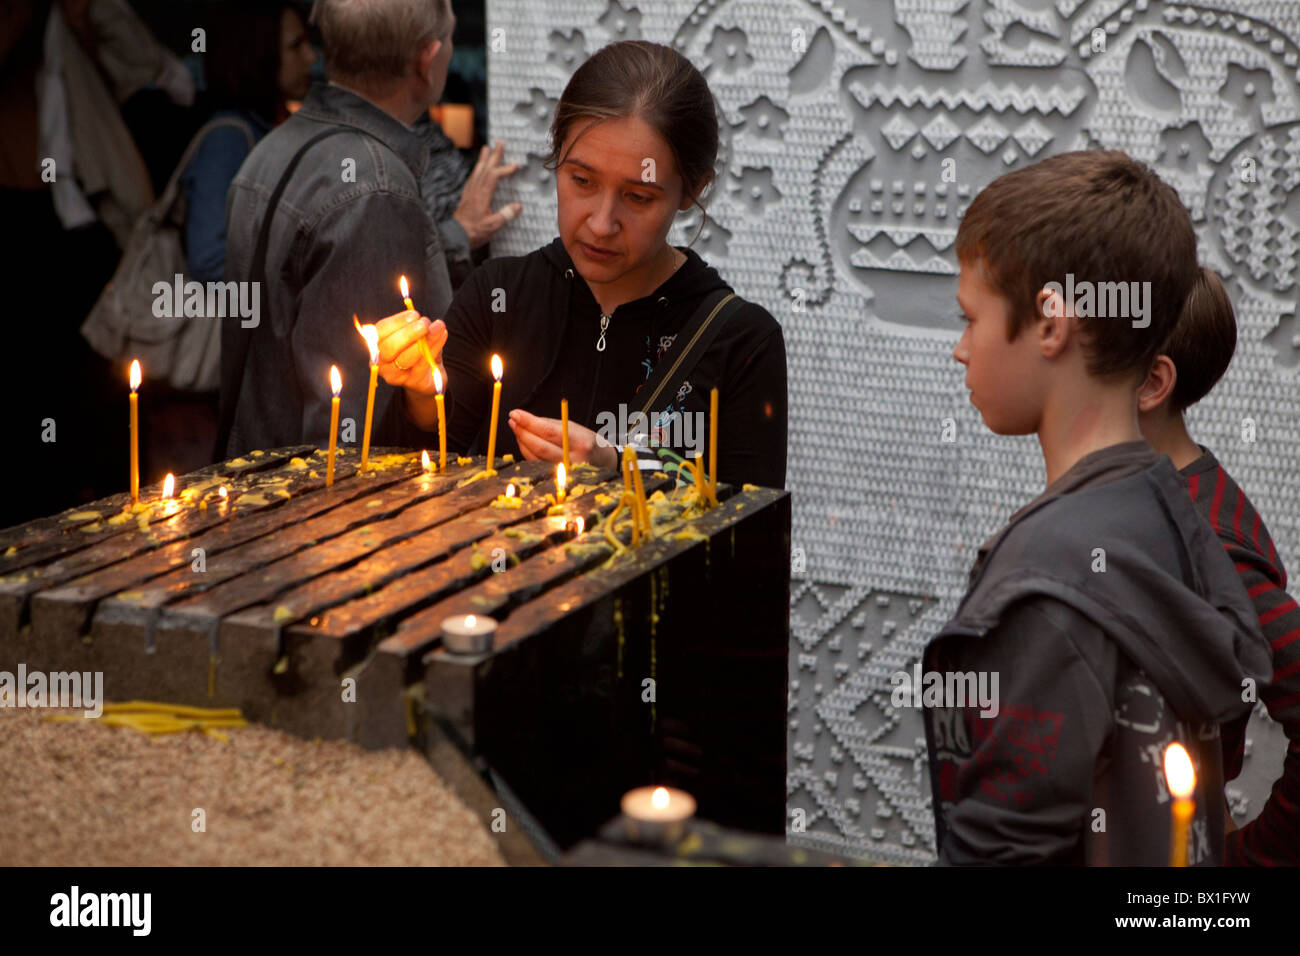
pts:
pixel 1116 624
pixel 539 315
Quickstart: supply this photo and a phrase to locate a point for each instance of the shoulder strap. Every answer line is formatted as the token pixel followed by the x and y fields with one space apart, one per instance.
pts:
pixel 234 347
pixel 692 342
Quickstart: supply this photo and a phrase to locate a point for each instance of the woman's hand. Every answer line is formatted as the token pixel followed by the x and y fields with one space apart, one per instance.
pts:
pixel 402 364
pixel 540 438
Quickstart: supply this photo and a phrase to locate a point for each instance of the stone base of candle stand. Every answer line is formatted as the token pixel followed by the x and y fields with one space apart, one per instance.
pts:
pixel 560 707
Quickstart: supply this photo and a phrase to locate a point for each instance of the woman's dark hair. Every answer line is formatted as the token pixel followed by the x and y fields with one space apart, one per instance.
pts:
pixel 1202 343
pixel 242 62
pixel 656 83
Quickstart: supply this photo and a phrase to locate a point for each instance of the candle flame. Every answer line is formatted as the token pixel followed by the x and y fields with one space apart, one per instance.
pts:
pixel 406 288
pixel 510 490
pixel 223 492
pixel 496 367
pixel 336 381
pixel 659 799
pixel 1179 772
pixel 470 620
pixel 437 379
pixel 424 460
pixel 135 374
pixel 579 525
pixel 560 477
pixel 169 485
pixel 371 334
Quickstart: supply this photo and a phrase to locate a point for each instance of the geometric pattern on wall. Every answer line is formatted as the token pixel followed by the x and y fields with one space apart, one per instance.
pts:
pixel 854 134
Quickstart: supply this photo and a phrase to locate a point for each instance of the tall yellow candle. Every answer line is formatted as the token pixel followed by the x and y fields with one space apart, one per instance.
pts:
pixel 629 492
pixel 1181 777
pixel 406 294
pixel 701 486
pixel 442 421
pixel 564 433
pixel 497 372
pixel 713 445
pixel 371 334
pixel 642 508
pixel 336 383
pixel 135 432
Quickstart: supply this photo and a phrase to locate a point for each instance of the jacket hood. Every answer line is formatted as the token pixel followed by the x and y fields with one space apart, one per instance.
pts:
pixel 1168 596
pixel 694 279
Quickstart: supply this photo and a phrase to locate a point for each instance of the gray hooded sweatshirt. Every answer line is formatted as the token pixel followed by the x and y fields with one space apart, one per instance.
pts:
pixel 1116 624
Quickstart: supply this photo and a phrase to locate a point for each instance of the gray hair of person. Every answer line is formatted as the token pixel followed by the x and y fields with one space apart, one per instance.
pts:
pixel 373 41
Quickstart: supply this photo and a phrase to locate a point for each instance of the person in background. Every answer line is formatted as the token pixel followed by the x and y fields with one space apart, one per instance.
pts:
pixel 1194 358
pixel 459 198
pixel 351 220
pixel 259 56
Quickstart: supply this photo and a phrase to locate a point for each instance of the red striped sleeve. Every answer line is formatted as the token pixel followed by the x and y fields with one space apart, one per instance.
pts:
pixel 1216 502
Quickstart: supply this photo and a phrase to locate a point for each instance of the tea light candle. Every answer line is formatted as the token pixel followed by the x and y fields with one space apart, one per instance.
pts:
pixel 1181 777
pixel 657 814
pixel 468 633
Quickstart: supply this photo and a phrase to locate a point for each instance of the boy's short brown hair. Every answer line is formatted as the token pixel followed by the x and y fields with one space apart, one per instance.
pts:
pixel 1203 341
pixel 1103 217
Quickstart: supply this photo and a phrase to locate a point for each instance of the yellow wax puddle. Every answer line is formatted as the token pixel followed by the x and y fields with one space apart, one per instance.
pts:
pixel 83 516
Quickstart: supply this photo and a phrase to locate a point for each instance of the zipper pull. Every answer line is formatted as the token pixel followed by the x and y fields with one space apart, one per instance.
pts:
pixel 604 324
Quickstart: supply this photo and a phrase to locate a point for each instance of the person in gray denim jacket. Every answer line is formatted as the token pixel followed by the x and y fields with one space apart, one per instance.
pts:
pixel 350 222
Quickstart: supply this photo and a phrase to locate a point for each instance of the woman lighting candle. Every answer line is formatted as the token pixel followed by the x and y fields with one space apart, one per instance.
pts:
pixel 598 316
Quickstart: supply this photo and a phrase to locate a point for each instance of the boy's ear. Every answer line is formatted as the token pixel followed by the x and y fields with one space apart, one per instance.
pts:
pixel 1159 384
pixel 1052 324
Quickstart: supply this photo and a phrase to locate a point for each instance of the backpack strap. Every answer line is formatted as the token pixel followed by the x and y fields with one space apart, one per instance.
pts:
pixel 173 184
pixel 691 343
pixel 234 346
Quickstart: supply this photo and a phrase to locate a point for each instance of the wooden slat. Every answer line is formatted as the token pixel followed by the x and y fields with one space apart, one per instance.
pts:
pixel 137 555
pixel 38 540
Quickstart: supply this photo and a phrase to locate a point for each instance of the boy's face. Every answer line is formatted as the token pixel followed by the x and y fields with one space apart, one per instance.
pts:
pixel 1006 379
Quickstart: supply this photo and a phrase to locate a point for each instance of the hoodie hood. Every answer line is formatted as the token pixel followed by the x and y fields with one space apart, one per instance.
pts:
pixel 1168 596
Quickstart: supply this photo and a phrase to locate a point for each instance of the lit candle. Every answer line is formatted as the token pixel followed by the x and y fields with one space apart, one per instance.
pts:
pixel 371 334
pixel 425 464
pixel 560 474
pixel 424 346
pixel 713 445
pixel 468 633
pixel 657 814
pixel 510 490
pixel 169 486
pixel 336 383
pixel 564 433
pixel 135 432
pixel 497 371
pixel 442 420
pixel 1181 777
pixel 224 495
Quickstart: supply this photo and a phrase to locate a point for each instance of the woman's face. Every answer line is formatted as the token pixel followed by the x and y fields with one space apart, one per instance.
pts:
pixel 296 56
pixel 618 190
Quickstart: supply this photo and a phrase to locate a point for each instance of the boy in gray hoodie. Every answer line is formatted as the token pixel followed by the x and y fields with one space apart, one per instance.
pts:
pixel 1110 613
